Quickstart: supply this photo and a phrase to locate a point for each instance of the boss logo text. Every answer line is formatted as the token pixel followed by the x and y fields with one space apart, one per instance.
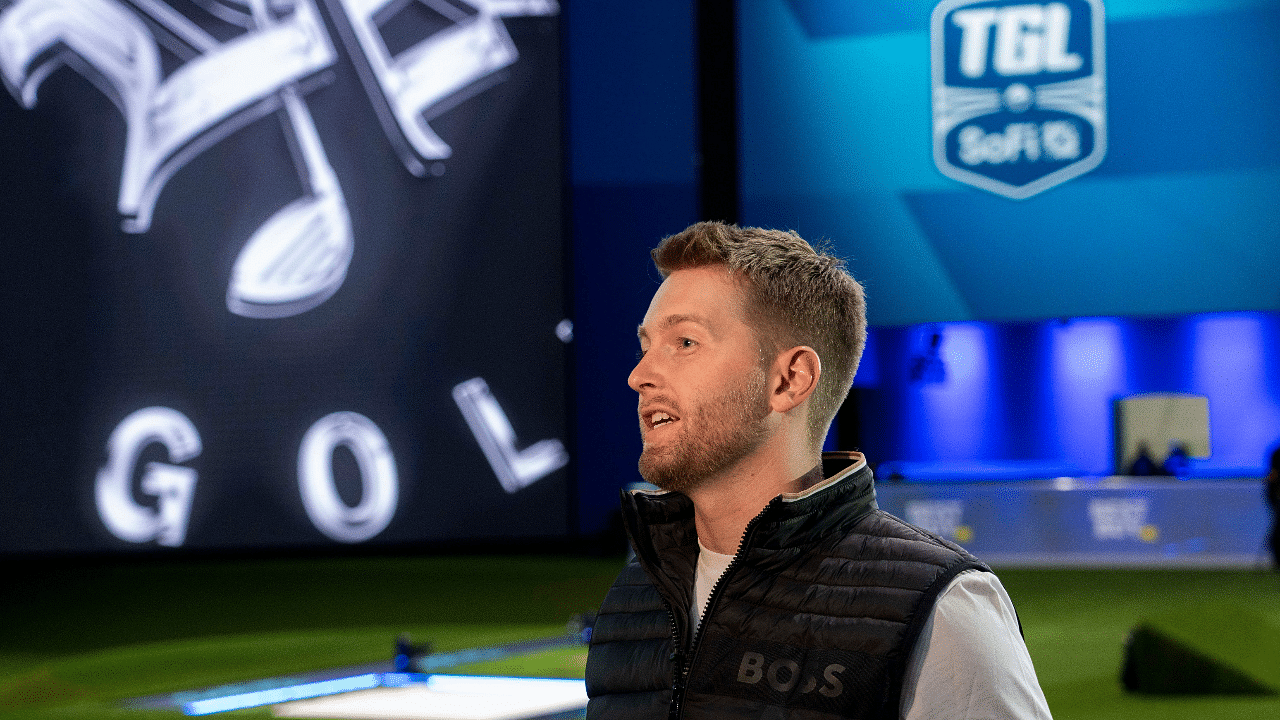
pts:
pixel 783 675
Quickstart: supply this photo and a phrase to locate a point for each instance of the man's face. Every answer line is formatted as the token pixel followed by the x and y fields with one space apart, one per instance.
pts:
pixel 702 384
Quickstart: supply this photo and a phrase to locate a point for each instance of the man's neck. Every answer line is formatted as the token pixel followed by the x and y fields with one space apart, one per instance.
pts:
pixel 724 505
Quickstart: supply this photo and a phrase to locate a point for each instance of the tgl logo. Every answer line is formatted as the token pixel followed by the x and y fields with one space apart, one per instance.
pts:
pixel 1029 39
pixel 1018 93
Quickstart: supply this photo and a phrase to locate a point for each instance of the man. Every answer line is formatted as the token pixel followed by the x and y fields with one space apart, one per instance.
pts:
pixel 766 583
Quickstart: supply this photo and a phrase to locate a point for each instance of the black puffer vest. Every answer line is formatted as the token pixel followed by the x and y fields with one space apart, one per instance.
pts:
pixel 815 618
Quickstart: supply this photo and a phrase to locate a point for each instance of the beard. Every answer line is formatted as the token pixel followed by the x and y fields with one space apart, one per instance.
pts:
pixel 726 429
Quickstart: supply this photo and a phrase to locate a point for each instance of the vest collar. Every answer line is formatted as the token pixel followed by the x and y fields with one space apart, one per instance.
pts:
pixel 836 467
pixel 663 520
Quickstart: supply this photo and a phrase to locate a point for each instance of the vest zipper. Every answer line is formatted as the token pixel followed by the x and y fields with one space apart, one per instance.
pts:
pixel 677 660
pixel 683 667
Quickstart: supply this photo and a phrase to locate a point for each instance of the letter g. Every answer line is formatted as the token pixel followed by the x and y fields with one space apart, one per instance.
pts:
pixel 172 484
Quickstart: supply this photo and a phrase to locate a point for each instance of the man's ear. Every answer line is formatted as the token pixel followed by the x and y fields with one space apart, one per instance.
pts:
pixel 796 373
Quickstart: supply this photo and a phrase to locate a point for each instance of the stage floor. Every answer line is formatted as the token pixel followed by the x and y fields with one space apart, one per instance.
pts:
pixel 450 697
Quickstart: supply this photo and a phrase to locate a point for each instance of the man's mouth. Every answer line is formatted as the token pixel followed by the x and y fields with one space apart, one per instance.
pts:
pixel 659 418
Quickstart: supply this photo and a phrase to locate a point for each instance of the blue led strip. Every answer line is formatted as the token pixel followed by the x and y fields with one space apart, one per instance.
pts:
pixel 429 663
pixel 283 694
pixel 284 689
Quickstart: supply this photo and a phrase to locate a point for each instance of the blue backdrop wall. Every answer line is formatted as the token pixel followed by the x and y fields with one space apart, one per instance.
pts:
pixel 633 170
pixel 985 401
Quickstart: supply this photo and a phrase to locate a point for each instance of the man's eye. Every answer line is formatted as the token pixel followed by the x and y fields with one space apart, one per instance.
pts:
pixel 686 343
pixel 639 355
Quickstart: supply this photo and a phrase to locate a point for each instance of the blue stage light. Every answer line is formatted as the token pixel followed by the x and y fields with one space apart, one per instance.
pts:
pixel 282 694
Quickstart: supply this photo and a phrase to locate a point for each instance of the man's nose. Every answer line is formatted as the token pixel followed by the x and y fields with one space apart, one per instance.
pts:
pixel 643 374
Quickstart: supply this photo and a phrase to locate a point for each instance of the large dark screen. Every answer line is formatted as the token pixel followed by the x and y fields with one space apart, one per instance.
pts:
pixel 281 273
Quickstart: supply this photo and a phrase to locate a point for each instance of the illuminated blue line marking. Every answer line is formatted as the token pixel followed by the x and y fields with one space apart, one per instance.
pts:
pixel 430 663
pixel 282 694
pixel 284 690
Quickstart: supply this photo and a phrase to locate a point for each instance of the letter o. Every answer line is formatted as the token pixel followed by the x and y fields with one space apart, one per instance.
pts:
pixel 380 490
pixel 1061 140
pixel 792 678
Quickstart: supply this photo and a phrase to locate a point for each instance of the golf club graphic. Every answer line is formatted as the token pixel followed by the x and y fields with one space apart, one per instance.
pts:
pixel 413 86
pixel 221 87
pixel 299 257
pixel 185 80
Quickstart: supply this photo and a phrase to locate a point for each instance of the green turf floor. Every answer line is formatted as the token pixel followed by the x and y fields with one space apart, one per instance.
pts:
pixel 78 638
pixel 1076 621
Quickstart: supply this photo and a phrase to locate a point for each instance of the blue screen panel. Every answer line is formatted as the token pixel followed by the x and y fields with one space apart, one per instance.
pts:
pixel 837 114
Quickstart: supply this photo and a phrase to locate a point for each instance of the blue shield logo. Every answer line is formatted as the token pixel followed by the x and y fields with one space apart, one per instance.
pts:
pixel 1019 92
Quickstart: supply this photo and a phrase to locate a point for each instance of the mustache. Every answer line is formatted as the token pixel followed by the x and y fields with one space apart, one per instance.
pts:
pixel 658 401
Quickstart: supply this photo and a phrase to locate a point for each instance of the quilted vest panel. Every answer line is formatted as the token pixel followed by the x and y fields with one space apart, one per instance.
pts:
pixel 815 629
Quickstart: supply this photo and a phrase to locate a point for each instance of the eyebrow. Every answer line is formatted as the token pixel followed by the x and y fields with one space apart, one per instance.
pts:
pixel 673 320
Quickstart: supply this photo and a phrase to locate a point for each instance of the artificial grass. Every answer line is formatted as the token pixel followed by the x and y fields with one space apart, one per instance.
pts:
pixel 566 662
pixel 76 606
pixel 79 638
pixel 1076 622
pixel 171 666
